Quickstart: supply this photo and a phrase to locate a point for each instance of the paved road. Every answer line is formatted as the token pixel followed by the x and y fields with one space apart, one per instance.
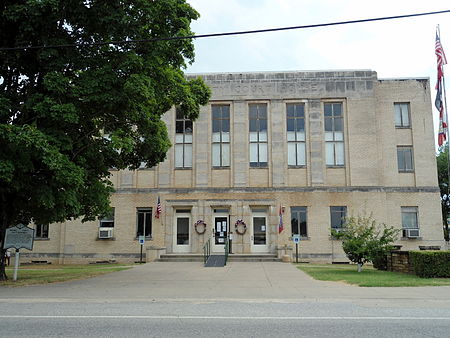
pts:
pixel 242 299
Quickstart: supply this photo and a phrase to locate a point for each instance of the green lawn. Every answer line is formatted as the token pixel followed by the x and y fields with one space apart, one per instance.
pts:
pixel 368 277
pixel 43 274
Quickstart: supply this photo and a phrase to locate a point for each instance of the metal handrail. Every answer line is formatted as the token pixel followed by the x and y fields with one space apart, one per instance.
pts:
pixel 206 251
pixel 227 249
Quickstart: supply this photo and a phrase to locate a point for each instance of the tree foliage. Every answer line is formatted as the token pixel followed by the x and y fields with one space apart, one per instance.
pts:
pixel 363 240
pixel 57 104
pixel 442 167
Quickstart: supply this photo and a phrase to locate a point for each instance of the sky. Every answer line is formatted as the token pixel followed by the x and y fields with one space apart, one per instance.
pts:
pixel 394 48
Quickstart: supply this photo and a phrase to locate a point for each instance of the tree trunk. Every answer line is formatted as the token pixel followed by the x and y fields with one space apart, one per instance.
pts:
pixel 360 267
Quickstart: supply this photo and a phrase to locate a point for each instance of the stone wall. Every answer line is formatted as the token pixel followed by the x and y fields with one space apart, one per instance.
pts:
pixel 398 261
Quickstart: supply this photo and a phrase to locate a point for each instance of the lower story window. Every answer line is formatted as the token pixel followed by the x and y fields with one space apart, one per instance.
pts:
pixel 144 222
pixel 298 221
pixel 41 231
pixel 410 223
pixel 337 217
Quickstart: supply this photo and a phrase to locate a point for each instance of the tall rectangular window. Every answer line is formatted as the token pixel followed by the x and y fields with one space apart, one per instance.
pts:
pixel 144 222
pixel 258 135
pixel 41 231
pixel 183 141
pixel 334 134
pixel 107 221
pixel 405 159
pixel 402 116
pixel 337 217
pixel 220 135
pixel 409 220
pixel 296 134
pixel 298 221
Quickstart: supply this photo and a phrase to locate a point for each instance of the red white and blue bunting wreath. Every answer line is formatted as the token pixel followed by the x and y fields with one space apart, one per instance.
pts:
pixel 200 223
pixel 240 227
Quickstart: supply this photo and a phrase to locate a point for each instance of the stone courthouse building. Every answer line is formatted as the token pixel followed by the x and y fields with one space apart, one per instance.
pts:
pixel 309 148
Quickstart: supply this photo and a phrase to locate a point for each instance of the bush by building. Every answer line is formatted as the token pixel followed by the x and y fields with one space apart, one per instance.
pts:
pixel 431 263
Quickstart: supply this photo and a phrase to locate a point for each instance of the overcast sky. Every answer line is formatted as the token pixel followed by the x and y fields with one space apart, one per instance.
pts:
pixel 394 48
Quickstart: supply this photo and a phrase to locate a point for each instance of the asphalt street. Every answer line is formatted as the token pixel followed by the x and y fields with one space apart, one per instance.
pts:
pixel 267 299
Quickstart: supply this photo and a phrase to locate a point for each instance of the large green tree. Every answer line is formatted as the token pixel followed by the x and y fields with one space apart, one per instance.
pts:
pixel 442 167
pixel 57 104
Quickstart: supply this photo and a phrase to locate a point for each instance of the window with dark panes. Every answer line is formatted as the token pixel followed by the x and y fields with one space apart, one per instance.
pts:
pixel 298 221
pixel 220 135
pixel 183 141
pixel 402 115
pixel 409 219
pixel 258 135
pixel 41 231
pixel 334 134
pixel 337 217
pixel 107 221
pixel 295 124
pixel 144 222
pixel 405 159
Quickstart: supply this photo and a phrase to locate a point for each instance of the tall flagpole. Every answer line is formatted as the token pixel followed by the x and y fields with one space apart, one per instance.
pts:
pixel 441 83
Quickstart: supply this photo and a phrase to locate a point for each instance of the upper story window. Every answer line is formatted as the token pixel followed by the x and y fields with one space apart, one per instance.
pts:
pixel 334 134
pixel 402 115
pixel 258 134
pixel 405 159
pixel 107 221
pixel 183 141
pixel 220 135
pixel 295 124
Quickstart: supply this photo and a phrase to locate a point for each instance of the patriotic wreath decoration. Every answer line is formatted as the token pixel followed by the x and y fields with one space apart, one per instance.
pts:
pixel 201 223
pixel 240 227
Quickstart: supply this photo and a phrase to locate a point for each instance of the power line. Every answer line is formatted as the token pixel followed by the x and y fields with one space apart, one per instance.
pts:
pixel 122 42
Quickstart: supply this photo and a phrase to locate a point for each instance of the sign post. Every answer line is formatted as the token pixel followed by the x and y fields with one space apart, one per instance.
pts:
pixel 141 242
pixel 296 239
pixel 19 236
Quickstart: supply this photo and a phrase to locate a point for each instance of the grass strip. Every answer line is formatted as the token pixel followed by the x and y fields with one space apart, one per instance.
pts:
pixel 369 277
pixel 33 275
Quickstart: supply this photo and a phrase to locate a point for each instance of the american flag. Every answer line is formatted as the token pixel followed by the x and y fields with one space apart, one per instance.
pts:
pixel 280 224
pixel 441 61
pixel 158 208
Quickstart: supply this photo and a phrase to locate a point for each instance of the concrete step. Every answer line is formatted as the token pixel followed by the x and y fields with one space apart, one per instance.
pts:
pixel 181 258
pixel 231 258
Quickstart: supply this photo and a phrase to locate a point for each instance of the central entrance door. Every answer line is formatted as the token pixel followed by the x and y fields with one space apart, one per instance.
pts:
pixel 220 233
pixel 259 232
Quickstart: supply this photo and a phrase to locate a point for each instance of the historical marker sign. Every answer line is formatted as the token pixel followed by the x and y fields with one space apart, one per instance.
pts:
pixel 18 237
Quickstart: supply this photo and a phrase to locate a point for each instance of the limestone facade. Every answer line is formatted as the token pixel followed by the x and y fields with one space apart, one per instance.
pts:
pixel 365 177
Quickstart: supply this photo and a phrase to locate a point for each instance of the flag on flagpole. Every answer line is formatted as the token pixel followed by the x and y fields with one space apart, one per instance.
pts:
pixel 158 208
pixel 441 61
pixel 442 133
pixel 280 224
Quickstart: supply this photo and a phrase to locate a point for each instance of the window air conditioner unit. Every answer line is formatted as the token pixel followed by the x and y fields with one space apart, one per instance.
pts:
pixel 105 233
pixel 412 233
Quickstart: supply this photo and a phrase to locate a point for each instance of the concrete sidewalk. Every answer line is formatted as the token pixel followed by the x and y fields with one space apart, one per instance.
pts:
pixel 256 281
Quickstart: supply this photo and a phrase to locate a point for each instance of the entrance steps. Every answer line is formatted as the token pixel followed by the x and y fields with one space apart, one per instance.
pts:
pixel 231 258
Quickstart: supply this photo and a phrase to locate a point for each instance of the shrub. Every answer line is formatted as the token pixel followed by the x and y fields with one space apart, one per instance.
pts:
pixel 363 240
pixel 431 263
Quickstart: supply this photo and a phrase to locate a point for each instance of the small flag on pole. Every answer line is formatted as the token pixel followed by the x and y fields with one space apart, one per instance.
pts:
pixel 158 208
pixel 280 224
